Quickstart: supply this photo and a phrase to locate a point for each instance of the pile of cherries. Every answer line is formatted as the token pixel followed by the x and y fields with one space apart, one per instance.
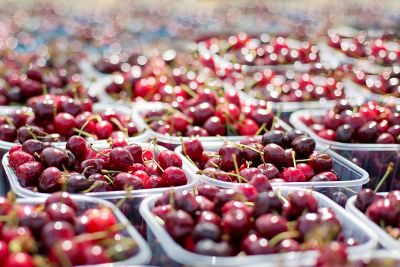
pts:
pixel 371 122
pixel 56 118
pixel 291 87
pixel 41 167
pixel 379 50
pixel 263 50
pixel 169 78
pixel 19 87
pixel 229 222
pixel 60 233
pixel 385 83
pixel 260 162
pixel 383 210
pixel 208 114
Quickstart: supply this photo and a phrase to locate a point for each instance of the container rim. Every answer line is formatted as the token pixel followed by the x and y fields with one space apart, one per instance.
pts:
pixel 26 193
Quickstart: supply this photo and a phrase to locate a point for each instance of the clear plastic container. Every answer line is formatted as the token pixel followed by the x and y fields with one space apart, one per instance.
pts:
pixel 130 208
pixel 352 177
pixel 385 240
pixel 166 252
pixel 144 254
pixel 327 58
pixel 5 146
pixel 172 142
pixel 369 95
pixel 374 158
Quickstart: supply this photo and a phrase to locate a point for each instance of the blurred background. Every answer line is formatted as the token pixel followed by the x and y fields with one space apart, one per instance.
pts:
pixel 25 25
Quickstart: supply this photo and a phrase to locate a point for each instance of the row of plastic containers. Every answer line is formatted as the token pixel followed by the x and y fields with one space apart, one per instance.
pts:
pixel 167 252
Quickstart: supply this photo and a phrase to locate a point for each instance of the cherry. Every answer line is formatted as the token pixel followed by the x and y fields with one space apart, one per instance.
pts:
pixel 193 148
pixel 179 224
pixel 186 202
pixel 68 248
pixel 93 254
pixel 269 170
pixel 136 152
pixel 206 230
pixel 344 133
pixel 29 173
pixel 18 158
pixel 275 155
pixel 124 180
pixel 235 223
pixel 209 217
pixel 293 174
pixel 368 132
pixel 320 162
pixel 169 158
pixel 275 137
pixel 364 198
pixel 229 154
pixel 207 191
pixel 214 126
pixel 91 166
pixel 103 129
pixel 306 169
pixel 53 232
pixel 99 220
pixel 61 197
pixel 20 259
pixel 202 112
pixel 385 138
pixel 51 180
pixel 78 146
pixel 261 183
pixel 299 201
pixel 209 247
pixel 289 245
pixel 121 159
pixel 77 183
pixel 270 225
pixel 61 212
pixel 307 222
pixel 54 157
pixel 173 176
pixel 254 245
pixel 8 133
pixel 303 146
pixel 384 210
pixel 64 124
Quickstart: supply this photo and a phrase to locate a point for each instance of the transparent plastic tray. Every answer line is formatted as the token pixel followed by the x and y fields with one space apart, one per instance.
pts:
pixel 172 142
pixel 130 208
pixel 327 58
pixel 287 108
pixel 385 240
pixel 374 158
pixel 144 254
pixel 168 253
pixel 352 177
pixel 142 137
pixel 369 95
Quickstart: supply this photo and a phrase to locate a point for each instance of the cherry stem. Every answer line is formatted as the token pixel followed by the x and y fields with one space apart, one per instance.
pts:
pixel 302 160
pixel 262 128
pixel 80 132
pixel 282 236
pixel 128 194
pixel 236 167
pixel 294 158
pixel 385 176
pixel 158 165
pixel 188 90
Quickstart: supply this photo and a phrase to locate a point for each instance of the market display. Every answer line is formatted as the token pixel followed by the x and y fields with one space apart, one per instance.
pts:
pixel 208 133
